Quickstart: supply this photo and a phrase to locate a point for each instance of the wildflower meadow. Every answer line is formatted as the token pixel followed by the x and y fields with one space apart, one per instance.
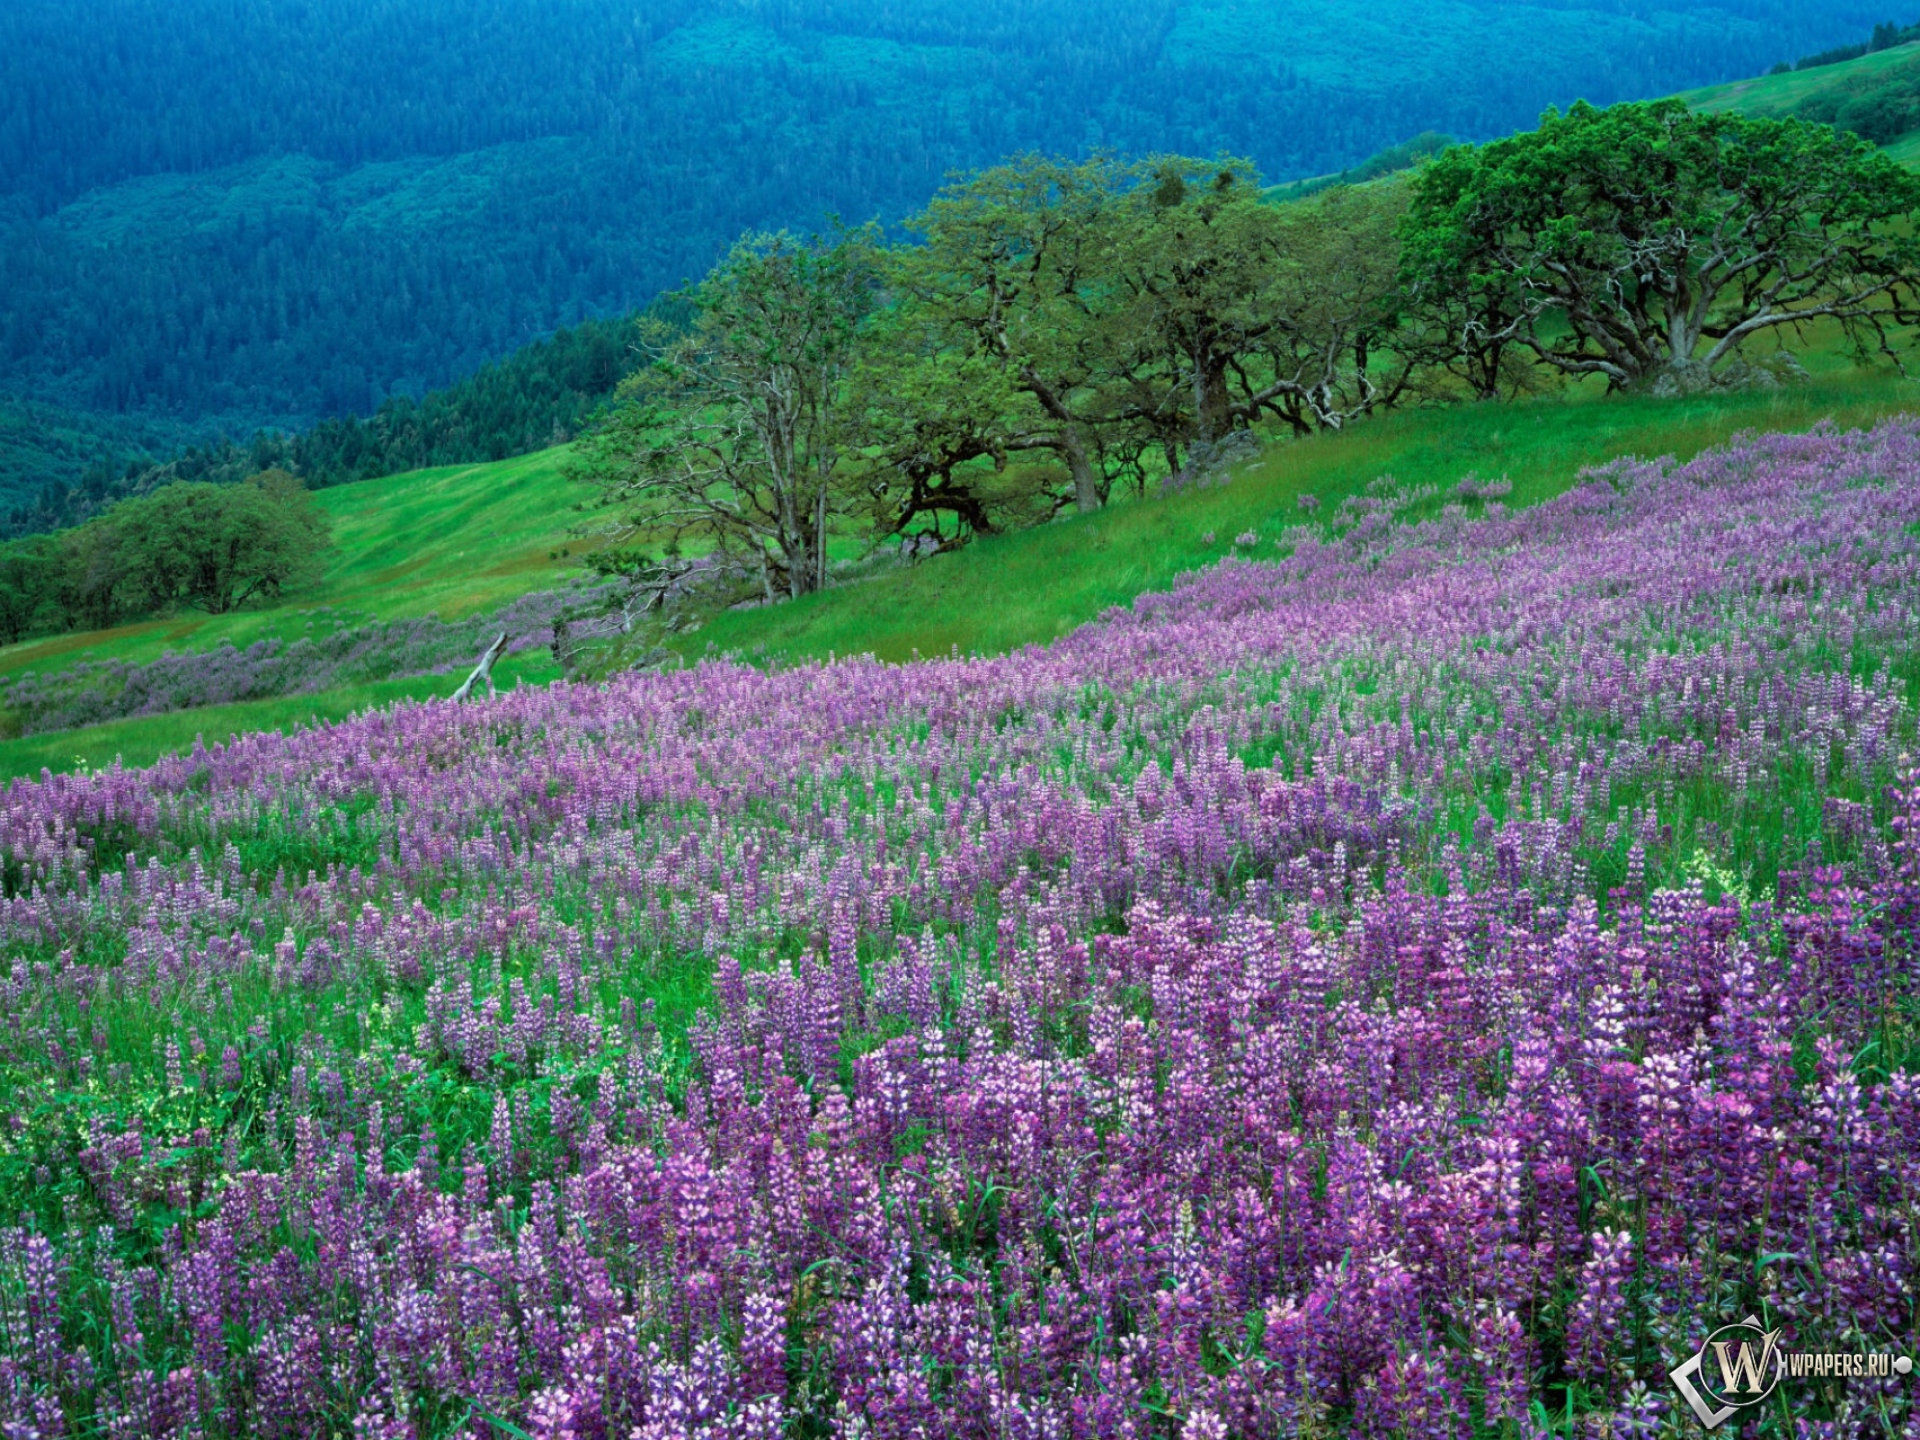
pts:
pixel 1417 978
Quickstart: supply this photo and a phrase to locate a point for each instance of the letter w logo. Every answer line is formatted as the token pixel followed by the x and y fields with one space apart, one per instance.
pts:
pixel 1740 1372
pixel 1747 1378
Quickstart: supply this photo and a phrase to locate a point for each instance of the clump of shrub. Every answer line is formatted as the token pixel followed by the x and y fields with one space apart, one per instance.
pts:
pixel 190 545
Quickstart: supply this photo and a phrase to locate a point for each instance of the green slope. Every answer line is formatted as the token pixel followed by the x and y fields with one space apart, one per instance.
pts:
pixel 1026 588
pixel 455 541
pixel 1774 95
pixel 469 538
pixel 1818 93
pixel 462 540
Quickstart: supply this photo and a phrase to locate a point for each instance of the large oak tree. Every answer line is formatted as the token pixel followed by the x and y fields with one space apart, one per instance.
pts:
pixel 1649 240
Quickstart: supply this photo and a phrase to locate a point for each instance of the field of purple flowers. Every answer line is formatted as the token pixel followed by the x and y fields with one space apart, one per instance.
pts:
pixel 1418 986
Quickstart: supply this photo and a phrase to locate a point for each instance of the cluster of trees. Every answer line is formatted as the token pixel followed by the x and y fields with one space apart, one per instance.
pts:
pixel 1881 105
pixel 541 395
pixel 189 544
pixel 1061 330
pixel 432 184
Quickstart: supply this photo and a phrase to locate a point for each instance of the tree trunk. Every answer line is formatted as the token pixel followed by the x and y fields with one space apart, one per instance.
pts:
pixel 1086 487
pixel 820 538
pixel 1212 405
pixel 1072 444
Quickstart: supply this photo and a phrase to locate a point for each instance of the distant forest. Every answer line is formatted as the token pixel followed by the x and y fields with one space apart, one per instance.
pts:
pixel 541 395
pixel 216 217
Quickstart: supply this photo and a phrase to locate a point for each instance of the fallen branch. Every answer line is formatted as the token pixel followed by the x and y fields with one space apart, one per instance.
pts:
pixel 482 671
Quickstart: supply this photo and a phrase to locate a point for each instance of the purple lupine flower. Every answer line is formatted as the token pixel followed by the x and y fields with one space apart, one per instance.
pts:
pixel 1317 998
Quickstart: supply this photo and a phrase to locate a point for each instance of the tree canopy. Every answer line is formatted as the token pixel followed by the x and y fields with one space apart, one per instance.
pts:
pixel 733 441
pixel 1648 242
pixel 187 545
pixel 1057 330
pixel 219 217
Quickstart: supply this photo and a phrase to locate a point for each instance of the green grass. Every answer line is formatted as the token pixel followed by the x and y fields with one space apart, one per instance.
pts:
pixel 470 538
pixel 1773 95
pixel 466 539
pixel 143 739
pixel 456 541
pixel 1008 591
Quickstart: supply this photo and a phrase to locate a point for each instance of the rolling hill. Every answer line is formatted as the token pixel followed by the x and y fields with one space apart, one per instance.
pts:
pixel 216 218
pixel 1822 93
pixel 452 542
pixel 477 536
pixel 465 540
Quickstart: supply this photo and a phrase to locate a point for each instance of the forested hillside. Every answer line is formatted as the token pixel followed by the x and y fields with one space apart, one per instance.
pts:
pixel 216 217
pixel 538 396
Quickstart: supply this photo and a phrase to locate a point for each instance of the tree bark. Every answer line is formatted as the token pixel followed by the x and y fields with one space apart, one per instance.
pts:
pixel 1072 444
pixel 483 672
pixel 1086 487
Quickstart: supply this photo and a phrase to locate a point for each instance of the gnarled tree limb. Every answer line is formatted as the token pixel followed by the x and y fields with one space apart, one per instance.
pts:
pixel 483 671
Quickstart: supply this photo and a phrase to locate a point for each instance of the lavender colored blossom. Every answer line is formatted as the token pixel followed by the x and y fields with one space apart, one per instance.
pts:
pixel 1415 988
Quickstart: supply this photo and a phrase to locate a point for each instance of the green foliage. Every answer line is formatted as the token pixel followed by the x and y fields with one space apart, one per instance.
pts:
pixel 945 454
pixel 1236 311
pixel 214 548
pixel 541 395
pixel 1006 280
pixel 29 587
pixel 1880 105
pixel 1091 315
pixel 1010 590
pixel 1647 243
pixel 387 224
pixel 733 442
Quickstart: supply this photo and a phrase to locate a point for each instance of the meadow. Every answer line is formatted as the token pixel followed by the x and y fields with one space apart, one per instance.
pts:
pixel 1416 976
pixel 1003 592
pixel 424 559
pixel 453 542
pixel 464 542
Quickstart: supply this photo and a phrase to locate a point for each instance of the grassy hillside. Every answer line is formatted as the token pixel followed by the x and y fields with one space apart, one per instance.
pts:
pixel 1013 590
pixel 455 541
pixel 1779 94
pixel 483 534
pixel 1773 96
pixel 460 541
